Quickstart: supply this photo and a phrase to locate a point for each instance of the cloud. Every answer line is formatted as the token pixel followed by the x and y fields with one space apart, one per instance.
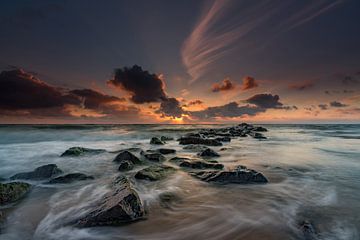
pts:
pixel 143 86
pixel 195 102
pixel 323 106
pixel 92 99
pixel 350 80
pixel 225 85
pixel 265 101
pixel 20 90
pixel 170 107
pixel 301 86
pixel 337 104
pixel 249 83
pixel 230 110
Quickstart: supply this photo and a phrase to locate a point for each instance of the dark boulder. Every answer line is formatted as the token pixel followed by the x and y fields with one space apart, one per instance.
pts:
pixel 166 138
pixel 127 156
pixel 240 175
pixel 209 153
pixel 166 151
pixel 12 192
pixel 195 147
pixel 120 206
pixel 155 157
pixel 154 173
pixel 78 151
pixel 223 139
pixel 197 140
pixel 200 164
pixel 257 135
pixel 156 141
pixel 126 165
pixel 40 173
pixel 69 178
pixel 259 129
pixel 179 160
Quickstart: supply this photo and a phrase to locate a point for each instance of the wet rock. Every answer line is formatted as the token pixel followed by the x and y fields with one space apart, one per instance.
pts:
pixel 200 164
pixel 166 151
pixel 167 198
pixel 197 140
pixel 166 138
pixel 259 129
pixel 179 160
pixel 121 206
pixel 133 149
pixel 155 157
pixel 223 139
pixel 257 135
pixel 127 156
pixel 209 153
pixel 69 178
pixel 154 173
pixel 12 192
pixel 308 230
pixel 126 165
pixel 78 151
pixel 156 141
pixel 40 173
pixel 195 147
pixel 239 175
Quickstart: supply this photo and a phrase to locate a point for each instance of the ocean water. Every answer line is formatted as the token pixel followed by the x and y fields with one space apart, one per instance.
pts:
pixel 313 173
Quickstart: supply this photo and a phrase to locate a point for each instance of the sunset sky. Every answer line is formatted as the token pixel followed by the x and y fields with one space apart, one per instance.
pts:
pixel 222 61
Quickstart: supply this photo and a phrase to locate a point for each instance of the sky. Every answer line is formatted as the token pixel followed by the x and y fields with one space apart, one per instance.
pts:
pixel 158 61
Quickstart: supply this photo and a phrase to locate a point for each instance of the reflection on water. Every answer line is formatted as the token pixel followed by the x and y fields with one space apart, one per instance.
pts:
pixel 314 174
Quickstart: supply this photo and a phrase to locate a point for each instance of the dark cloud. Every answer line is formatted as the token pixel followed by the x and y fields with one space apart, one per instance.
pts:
pixel 143 86
pixel 249 83
pixel 301 86
pixel 195 102
pixel 170 107
pixel 20 90
pixel 337 104
pixel 350 80
pixel 231 110
pixel 265 101
pixel 225 85
pixel 92 99
pixel 323 106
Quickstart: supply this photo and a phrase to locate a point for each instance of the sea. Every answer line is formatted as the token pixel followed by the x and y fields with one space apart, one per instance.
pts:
pixel 313 172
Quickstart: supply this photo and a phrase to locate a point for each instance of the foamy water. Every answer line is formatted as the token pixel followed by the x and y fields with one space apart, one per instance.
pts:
pixel 313 173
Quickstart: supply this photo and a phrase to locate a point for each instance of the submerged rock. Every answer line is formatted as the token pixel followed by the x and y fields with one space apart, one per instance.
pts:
pixel 166 151
pixel 40 173
pixel 200 164
pixel 126 165
pixel 156 141
pixel 155 157
pixel 69 178
pixel 166 138
pixel 209 153
pixel 179 160
pixel 259 129
pixel 154 173
pixel 12 192
pixel 223 139
pixel 198 140
pixel 122 205
pixel 77 151
pixel 257 135
pixel 308 230
pixel 167 198
pixel 195 147
pixel 239 175
pixel 127 156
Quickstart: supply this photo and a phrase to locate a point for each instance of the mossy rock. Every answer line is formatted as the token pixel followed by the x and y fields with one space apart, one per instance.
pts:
pixel 12 192
pixel 154 173
pixel 78 151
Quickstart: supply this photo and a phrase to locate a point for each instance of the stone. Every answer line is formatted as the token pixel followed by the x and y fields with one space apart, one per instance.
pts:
pixel 200 164
pixel 154 173
pixel 195 147
pixel 167 198
pixel 71 177
pixel 12 192
pixel 257 135
pixel 259 129
pixel 197 140
pixel 155 157
pixel 126 165
pixel 156 141
pixel 78 151
pixel 240 175
pixel 127 156
pixel 166 138
pixel 120 206
pixel 40 173
pixel 209 153
pixel 223 139
pixel 166 151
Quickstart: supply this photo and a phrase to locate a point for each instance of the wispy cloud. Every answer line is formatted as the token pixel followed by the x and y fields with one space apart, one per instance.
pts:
pixel 225 22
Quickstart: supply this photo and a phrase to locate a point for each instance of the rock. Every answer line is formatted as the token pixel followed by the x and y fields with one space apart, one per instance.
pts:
pixel 195 147
pixel 223 139
pixel 166 151
pixel 154 173
pixel 69 178
pixel 127 156
pixel 200 164
pixel 239 175
pixel 197 140
pixel 40 173
pixel 209 153
pixel 308 230
pixel 126 165
pixel 133 149
pixel 155 157
pixel 165 138
pixel 257 135
pixel 120 206
pixel 167 198
pixel 259 129
pixel 179 160
pixel 12 192
pixel 156 141
pixel 78 151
